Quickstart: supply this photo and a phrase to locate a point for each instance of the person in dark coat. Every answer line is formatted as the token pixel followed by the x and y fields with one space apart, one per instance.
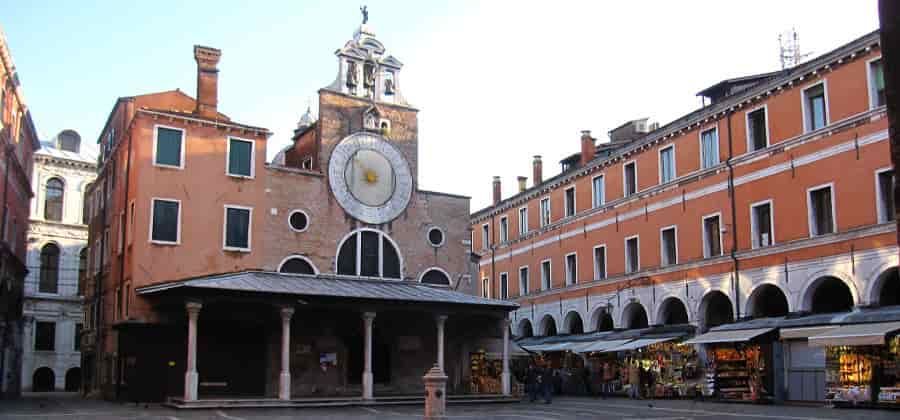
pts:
pixel 531 382
pixel 547 382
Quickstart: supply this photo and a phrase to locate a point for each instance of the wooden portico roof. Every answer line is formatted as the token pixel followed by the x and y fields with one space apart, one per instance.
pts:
pixel 327 286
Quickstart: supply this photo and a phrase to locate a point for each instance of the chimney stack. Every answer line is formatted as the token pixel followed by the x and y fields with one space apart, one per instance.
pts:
pixel 497 191
pixel 537 170
pixel 588 149
pixel 522 181
pixel 207 80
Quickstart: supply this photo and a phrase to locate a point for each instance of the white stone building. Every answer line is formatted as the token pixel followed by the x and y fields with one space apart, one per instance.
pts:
pixel 57 252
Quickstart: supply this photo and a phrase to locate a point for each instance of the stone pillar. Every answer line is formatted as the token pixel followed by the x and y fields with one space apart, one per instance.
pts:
pixel 435 393
pixel 505 376
pixel 368 381
pixel 191 378
pixel 441 319
pixel 284 382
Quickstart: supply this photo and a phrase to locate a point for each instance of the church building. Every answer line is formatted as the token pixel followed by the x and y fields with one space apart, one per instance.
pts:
pixel 324 273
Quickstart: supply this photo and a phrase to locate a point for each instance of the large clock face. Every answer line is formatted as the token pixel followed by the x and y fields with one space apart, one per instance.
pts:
pixel 369 178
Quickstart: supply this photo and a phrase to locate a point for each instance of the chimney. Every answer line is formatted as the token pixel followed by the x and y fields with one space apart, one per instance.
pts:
pixel 207 80
pixel 522 180
pixel 588 149
pixel 537 170
pixel 497 194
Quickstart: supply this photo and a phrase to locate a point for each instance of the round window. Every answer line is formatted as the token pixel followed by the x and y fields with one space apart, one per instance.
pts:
pixel 435 236
pixel 299 220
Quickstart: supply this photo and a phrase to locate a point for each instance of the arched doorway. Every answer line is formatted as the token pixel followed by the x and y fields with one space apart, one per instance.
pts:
pixel 889 282
pixel 573 323
pixel 525 329
pixel 830 294
pixel 634 316
pixel 766 301
pixel 43 380
pixel 603 321
pixel 715 310
pixel 73 379
pixel 672 312
pixel 548 326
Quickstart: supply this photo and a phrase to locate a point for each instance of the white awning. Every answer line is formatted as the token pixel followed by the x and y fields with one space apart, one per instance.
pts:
pixel 636 344
pixel 599 346
pixel 804 332
pixel 728 336
pixel 855 335
pixel 562 346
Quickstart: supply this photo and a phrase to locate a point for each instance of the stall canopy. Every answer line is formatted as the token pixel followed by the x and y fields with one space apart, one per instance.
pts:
pixel 856 335
pixel 804 332
pixel 636 344
pixel 601 346
pixel 728 336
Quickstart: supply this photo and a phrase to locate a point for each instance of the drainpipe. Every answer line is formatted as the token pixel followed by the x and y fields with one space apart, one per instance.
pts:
pixel 734 235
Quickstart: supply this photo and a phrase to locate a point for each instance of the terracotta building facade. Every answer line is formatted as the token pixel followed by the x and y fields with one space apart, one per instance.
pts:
pixel 326 272
pixel 773 198
pixel 18 142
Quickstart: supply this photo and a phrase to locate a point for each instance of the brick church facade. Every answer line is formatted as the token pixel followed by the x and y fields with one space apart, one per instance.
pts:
pixel 326 272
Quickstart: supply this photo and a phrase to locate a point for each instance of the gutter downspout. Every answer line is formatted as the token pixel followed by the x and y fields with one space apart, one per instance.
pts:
pixel 734 236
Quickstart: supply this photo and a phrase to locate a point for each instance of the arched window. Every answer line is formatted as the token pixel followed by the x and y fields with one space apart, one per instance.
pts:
pixel 370 253
pixel 69 141
pixel 53 200
pixel 436 277
pixel 49 282
pixel 86 206
pixel 296 265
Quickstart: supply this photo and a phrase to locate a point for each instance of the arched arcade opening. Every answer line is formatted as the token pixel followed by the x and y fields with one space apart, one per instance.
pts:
pixel 672 312
pixel 525 329
pixel 715 309
pixel 634 316
pixel 548 326
pixel 43 380
pixel 767 301
pixel 828 294
pixel 573 323
pixel 888 288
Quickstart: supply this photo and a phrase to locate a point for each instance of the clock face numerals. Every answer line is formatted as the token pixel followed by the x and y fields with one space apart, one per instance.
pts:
pixel 369 178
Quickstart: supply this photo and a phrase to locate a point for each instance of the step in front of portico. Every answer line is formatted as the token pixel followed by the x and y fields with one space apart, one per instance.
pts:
pixel 220 403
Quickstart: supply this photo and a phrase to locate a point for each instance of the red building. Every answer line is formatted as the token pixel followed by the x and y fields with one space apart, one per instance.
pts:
pixel 773 198
pixel 18 141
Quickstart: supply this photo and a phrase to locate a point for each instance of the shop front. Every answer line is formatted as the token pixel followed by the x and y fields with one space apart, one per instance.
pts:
pixel 667 368
pixel 861 364
pixel 739 363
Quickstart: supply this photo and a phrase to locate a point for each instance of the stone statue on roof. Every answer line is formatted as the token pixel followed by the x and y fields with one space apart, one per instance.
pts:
pixel 365 12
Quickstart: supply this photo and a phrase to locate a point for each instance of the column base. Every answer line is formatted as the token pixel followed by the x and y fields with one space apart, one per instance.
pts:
pixel 284 386
pixel 506 383
pixel 367 386
pixel 191 381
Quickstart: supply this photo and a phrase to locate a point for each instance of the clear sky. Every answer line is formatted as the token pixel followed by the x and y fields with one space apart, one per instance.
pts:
pixel 496 81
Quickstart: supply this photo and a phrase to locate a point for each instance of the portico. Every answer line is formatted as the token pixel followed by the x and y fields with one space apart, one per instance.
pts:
pixel 342 338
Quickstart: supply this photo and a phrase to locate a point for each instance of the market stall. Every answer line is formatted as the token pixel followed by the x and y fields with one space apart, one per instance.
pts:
pixel 739 363
pixel 670 367
pixel 861 363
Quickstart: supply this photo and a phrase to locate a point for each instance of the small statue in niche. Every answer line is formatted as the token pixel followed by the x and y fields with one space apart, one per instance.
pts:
pixel 351 74
pixel 369 122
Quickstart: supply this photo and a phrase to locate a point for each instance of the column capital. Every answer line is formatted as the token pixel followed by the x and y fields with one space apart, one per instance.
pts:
pixel 505 322
pixel 368 316
pixel 193 307
pixel 440 318
pixel 287 312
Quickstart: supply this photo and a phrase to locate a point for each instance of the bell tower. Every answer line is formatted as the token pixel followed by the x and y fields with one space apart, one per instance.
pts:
pixel 365 71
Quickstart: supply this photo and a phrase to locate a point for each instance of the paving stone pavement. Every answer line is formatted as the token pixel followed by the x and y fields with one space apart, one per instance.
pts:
pixel 59 406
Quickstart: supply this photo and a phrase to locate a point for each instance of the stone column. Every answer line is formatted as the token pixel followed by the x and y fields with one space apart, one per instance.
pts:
pixel 368 382
pixel 441 319
pixel 284 383
pixel 191 378
pixel 505 377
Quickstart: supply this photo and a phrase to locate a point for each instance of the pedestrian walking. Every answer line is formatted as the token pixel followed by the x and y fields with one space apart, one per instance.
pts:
pixel 547 378
pixel 532 381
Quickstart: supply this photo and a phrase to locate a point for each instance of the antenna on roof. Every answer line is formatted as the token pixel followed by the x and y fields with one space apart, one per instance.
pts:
pixel 789 49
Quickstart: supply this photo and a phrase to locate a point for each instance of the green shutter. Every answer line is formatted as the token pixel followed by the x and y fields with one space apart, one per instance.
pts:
pixel 168 146
pixel 240 156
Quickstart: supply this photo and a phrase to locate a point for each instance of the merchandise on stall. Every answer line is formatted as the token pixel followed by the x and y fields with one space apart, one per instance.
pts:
pixel 485 377
pixel 740 372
